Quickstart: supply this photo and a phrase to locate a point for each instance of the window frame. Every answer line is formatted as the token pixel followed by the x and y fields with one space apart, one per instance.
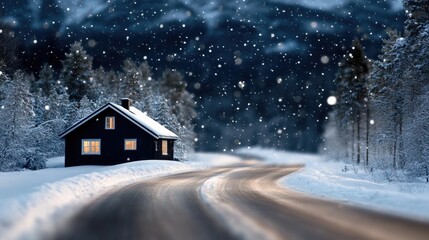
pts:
pixel 90 140
pixel 166 147
pixel 130 139
pixel 106 123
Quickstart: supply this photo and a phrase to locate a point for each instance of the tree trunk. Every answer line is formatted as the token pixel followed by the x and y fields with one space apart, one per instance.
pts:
pixel 358 140
pixel 353 141
pixel 401 157
pixel 367 136
pixel 394 152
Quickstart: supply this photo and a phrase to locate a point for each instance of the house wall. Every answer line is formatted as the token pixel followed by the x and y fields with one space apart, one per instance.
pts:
pixel 158 154
pixel 112 142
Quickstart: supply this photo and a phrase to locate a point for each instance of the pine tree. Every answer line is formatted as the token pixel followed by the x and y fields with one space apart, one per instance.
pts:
pixel 86 107
pixel 182 102
pixel 387 82
pixel 8 47
pixel 46 80
pixel 18 136
pixel 148 86
pixel 160 110
pixel 417 16
pixel 180 99
pixel 352 94
pixel 399 89
pixel 131 80
pixel 77 73
pixel 107 83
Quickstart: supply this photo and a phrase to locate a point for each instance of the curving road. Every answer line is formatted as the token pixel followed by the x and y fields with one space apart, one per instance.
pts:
pixel 238 202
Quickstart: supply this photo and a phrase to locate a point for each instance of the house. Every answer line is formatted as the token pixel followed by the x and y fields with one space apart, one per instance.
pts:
pixel 117 134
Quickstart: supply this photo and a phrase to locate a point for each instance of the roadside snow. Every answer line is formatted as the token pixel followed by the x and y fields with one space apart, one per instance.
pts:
pixel 30 201
pixel 212 159
pixel 355 186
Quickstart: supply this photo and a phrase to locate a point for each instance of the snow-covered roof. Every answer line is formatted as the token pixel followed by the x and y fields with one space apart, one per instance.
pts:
pixel 134 115
pixel 147 122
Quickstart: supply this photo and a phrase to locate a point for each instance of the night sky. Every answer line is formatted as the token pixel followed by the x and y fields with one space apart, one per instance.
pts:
pixel 261 71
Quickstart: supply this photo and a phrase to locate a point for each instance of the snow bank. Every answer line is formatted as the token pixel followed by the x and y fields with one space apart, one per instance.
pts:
pixel 34 199
pixel 31 201
pixel 200 160
pixel 328 179
pixel 355 186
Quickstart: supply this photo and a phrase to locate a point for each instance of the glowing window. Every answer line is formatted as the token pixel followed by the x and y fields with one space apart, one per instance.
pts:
pixel 130 144
pixel 91 146
pixel 110 122
pixel 164 147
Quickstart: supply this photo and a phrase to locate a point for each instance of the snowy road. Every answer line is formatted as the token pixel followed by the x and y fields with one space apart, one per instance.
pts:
pixel 229 203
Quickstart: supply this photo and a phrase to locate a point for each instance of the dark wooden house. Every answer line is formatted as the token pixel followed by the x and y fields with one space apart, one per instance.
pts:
pixel 117 134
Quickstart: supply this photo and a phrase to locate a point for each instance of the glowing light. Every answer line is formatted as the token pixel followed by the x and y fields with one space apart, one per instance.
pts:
pixel 332 100
pixel 371 122
pixel 324 59
pixel 47 107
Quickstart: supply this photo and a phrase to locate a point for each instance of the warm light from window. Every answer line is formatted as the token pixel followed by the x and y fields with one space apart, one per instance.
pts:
pixel 110 122
pixel 164 147
pixel 91 146
pixel 130 144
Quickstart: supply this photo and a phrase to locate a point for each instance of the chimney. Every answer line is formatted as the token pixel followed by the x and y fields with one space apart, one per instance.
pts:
pixel 126 103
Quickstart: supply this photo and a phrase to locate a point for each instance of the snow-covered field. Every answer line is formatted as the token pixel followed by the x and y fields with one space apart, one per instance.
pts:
pixel 30 200
pixel 328 179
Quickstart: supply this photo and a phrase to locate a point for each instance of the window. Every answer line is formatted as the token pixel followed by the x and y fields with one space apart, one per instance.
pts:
pixel 91 146
pixel 130 144
pixel 110 122
pixel 164 147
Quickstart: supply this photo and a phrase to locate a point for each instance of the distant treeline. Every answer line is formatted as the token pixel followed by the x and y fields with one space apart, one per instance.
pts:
pixel 381 118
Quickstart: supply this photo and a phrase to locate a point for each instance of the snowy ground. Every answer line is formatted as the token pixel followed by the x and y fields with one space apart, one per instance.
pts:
pixel 30 200
pixel 355 186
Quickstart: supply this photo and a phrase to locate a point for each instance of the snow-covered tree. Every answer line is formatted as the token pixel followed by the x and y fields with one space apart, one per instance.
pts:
pixel 352 96
pixel 417 16
pixel 46 81
pixel 130 80
pixel 182 102
pixel 86 107
pixel 398 88
pixel 107 83
pixel 148 86
pixel 160 109
pixel 77 73
pixel 19 137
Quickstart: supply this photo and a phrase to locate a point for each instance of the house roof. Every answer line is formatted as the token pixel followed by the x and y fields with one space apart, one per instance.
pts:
pixel 136 116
